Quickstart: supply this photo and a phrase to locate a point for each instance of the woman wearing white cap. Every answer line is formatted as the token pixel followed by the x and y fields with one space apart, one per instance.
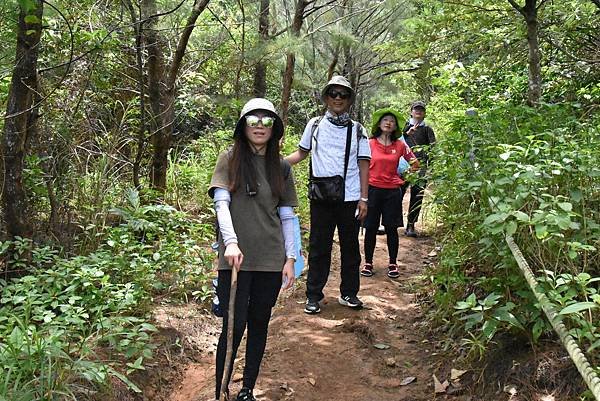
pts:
pixel 253 191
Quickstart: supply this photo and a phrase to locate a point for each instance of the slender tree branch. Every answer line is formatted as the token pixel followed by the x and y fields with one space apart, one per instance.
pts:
pixel 542 2
pixel 335 21
pixel 564 50
pixel 474 6
pixel 243 49
pixel 224 26
pixel 517 7
pixel 199 6
pixel 177 7
pixel 316 8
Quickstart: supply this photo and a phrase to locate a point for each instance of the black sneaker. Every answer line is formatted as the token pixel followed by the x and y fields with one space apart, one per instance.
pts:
pixel 245 394
pixel 410 231
pixel 350 301
pixel 312 307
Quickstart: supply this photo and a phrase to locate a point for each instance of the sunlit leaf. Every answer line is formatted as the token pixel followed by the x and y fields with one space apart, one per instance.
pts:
pixel 578 307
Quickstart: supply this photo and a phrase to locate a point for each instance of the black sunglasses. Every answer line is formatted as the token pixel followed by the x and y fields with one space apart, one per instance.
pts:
pixel 334 94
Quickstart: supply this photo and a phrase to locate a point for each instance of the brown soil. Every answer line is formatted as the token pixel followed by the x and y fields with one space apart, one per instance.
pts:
pixel 384 352
pixel 339 354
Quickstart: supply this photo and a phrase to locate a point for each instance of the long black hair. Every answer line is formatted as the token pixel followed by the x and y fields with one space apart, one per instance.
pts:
pixel 242 173
pixel 395 135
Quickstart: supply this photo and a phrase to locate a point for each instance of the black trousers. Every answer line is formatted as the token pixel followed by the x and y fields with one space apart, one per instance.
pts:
pixel 255 297
pixel 391 234
pixel 324 218
pixel 416 199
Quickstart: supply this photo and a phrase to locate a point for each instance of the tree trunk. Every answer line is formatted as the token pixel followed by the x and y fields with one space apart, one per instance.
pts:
pixel 530 13
pixel 160 101
pixel 18 120
pixel 535 69
pixel 424 80
pixel 334 62
pixel 161 87
pixel 288 75
pixel 141 137
pixel 260 71
pixel 288 79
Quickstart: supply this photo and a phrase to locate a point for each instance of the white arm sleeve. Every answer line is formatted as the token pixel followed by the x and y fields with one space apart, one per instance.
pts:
pixel 222 198
pixel 286 215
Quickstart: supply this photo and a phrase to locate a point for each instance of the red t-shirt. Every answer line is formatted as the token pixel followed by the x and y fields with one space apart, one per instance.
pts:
pixel 383 169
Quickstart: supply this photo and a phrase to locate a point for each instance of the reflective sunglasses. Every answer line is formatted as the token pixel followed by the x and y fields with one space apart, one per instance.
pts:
pixel 334 94
pixel 252 121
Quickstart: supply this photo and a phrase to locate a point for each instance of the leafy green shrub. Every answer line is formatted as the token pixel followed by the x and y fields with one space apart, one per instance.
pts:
pixel 73 320
pixel 191 168
pixel 532 174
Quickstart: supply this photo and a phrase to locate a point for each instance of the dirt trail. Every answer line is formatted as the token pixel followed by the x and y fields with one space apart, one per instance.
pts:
pixel 336 354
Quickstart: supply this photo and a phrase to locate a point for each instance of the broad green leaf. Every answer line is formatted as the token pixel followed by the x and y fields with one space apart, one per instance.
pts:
pixel 491 299
pixel 566 206
pixel 521 216
pixel 473 318
pixel 511 228
pixel 489 329
pixel 576 195
pixel 583 277
pixel 592 347
pixel 125 380
pixel 495 217
pixel 564 222
pixel 505 316
pixel 538 329
pixel 578 307
pixel 541 231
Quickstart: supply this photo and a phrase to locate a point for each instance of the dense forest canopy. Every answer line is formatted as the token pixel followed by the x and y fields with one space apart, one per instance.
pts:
pixel 114 112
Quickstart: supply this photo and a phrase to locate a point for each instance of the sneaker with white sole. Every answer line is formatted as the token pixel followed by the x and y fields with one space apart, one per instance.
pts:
pixel 245 394
pixel 312 307
pixel 350 301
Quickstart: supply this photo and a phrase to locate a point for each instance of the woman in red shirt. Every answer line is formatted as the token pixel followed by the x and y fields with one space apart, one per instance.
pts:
pixel 385 187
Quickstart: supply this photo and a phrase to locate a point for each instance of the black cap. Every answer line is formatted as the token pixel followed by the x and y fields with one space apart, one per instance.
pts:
pixel 418 103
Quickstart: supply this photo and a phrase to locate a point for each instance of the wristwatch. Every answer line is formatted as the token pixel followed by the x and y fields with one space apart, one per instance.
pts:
pixel 364 199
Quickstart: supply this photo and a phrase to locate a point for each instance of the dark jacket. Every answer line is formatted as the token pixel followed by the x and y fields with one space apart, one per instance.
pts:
pixel 420 142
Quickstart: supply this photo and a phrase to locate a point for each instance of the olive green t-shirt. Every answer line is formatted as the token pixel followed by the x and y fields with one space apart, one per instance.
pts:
pixel 255 218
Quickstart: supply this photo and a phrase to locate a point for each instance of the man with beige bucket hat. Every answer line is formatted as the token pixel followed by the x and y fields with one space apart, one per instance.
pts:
pixel 338 190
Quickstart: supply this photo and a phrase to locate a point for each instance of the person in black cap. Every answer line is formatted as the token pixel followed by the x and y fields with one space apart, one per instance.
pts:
pixel 420 137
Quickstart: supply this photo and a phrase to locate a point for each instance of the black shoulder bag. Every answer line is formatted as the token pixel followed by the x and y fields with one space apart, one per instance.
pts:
pixel 330 189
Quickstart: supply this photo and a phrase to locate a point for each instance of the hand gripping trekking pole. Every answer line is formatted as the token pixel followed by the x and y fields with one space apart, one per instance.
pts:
pixel 224 396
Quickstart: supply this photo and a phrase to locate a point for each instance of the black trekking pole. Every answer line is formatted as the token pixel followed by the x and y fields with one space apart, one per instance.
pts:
pixel 228 356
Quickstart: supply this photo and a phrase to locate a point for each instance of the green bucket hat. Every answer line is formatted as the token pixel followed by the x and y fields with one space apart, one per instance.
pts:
pixel 378 114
